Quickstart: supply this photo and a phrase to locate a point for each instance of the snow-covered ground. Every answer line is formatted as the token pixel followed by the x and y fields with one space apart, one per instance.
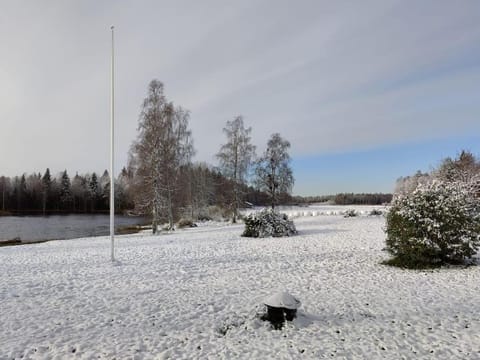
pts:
pixel 196 294
pixel 321 209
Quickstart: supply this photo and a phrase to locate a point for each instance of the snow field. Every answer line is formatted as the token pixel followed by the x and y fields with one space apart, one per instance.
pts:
pixel 195 294
pixel 294 212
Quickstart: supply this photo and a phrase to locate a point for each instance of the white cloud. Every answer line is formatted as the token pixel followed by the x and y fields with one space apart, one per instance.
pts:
pixel 329 76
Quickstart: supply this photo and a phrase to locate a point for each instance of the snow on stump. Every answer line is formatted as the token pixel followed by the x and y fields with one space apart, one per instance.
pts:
pixel 280 307
pixel 267 223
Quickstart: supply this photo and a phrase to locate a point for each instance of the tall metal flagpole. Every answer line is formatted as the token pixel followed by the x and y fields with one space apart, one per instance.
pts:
pixel 112 181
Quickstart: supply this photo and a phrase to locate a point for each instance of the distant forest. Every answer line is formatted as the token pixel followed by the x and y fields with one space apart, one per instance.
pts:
pixel 346 199
pixel 200 187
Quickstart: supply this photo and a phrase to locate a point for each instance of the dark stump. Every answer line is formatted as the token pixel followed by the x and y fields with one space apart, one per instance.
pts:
pixel 277 316
pixel 290 314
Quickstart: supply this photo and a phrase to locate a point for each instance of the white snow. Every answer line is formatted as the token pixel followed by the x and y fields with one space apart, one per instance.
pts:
pixel 195 294
pixel 321 209
pixel 283 299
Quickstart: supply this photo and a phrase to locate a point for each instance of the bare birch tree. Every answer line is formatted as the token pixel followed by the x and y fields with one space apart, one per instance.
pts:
pixel 163 145
pixel 235 158
pixel 273 172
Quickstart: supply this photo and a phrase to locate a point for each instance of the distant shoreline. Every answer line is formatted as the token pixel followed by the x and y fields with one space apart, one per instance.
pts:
pixel 124 230
pixel 59 212
pixel 17 241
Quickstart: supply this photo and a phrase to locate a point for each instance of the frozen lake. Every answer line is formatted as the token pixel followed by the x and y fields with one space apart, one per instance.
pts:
pixel 34 228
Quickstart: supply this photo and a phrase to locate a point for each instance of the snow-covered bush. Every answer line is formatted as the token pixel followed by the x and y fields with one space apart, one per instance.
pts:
pixel 186 222
pixel 214 213
pixel 375 212
pixel 268 223
pixel 350 213
pixel 438 223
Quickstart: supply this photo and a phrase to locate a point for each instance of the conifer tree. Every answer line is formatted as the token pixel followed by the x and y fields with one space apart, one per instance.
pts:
pixel 65 191
pixel 93 192
pixel 46 187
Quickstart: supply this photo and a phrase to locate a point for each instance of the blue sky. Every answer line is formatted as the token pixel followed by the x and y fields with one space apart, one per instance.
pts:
pixel 382 87
pixel 375 170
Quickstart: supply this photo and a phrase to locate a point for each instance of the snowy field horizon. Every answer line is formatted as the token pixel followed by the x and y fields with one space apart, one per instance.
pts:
pixel 197 293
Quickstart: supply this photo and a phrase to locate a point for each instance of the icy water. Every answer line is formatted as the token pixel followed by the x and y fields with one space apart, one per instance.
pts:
pixel 35 228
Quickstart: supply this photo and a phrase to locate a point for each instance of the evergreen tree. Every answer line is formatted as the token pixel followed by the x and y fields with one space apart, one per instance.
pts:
pixel 93 192
pixel 65 192
pixel 46 188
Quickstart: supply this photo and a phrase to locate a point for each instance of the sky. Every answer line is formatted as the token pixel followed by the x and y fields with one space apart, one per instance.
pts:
pixel 365 91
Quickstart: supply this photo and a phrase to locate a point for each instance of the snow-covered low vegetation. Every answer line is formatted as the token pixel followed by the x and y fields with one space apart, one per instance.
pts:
pixel 198 293
pixel 436 224
pixel 324 210
pixel 268 223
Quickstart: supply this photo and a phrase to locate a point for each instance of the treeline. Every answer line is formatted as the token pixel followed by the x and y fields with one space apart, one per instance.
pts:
pixel 305 200
pixel 200 190
pixel 346 199
pixel 47 194
pixel 362 199
pixel 465 168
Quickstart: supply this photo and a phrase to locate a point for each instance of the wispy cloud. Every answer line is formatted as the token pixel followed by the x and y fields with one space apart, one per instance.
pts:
pixel 330 76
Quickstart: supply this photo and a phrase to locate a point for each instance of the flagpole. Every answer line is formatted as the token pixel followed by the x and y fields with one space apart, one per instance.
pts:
pixel 112 180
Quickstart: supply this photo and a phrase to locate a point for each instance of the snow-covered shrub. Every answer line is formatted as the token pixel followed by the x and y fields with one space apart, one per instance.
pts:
pixel 438 223
pixel 268 223
pixel 375 212
pixel 204 217
pixel 350 213
pixel 185 222
pixel 211 213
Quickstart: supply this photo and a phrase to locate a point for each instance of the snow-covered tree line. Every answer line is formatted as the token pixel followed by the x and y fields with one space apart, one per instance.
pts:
pixel 361 199
pixel 465 169
pixel 44 194
pixel 202 192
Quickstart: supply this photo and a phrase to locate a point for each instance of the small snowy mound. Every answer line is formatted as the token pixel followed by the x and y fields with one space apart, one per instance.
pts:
pixel 283 300
pixel 267 223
